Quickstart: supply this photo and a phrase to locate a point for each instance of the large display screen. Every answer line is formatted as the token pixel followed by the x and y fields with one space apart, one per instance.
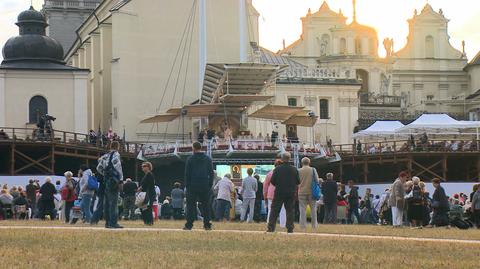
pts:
pixel 239 171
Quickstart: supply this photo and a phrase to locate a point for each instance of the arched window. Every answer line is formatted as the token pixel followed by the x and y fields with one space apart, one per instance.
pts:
pixel 358 46
pixel 324 109
pixel 343 46
pixel 429 47
pixel 37 107
pixel 372 47
pixel 362 76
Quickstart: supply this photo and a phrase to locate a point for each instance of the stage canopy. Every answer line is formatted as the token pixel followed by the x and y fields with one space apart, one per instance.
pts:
pixel 244 80
pixel 380 129
pixel 166 117
pixel 276 112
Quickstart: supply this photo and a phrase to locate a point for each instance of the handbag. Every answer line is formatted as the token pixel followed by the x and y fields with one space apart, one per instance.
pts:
pixel 140 199
pixel 316 192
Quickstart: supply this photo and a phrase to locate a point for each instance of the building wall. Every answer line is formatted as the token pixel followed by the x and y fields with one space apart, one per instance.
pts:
pixel 64 17
pixel 343 111
pixel 131 54
pixel 65 92
pixel 474 75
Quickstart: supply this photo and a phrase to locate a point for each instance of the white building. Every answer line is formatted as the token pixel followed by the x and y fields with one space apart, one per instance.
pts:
pixel 425 76
pixel 35 81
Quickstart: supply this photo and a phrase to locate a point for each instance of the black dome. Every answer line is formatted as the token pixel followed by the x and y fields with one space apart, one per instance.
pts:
pixel 34 48
pixel 32 45
pixel 30 15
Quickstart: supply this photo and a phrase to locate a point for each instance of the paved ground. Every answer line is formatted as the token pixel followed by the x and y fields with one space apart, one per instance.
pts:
pixel 357 236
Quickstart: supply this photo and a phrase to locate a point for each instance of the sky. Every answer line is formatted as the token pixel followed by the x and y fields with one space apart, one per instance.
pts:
pixel 280 19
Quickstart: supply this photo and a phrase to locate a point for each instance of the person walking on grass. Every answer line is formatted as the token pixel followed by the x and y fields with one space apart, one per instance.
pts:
pixel 353 203
pixel 129 190
pixel 476 206
pixel 198 183
pixel 86 194
pixel 110 167
pixel 178 196
pixel 47 200
pixel 258 200
pixel 415 200
pixel 249 191
pixel 224 189
pixel 285 178
pixel 32 189
pixel 440 205
pixel 147 185
pixel 307 175
pixel 68 194
pixel 397 199
pixel 268 193
pixel 329 192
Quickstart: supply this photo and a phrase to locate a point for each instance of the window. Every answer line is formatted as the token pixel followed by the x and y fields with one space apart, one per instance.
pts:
pixel 358 46
pixel 37 107
pixel 324 109
pixel 292 101
pixel 343 46
pixel 429 47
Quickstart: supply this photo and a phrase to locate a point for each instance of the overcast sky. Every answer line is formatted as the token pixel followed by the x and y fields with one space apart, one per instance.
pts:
pixel 280 19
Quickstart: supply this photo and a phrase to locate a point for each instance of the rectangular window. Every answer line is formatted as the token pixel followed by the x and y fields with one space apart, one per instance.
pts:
pixel 292 101
pixel 324 109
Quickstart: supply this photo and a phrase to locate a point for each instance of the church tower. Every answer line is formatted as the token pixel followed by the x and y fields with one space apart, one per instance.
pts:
pixel 65 16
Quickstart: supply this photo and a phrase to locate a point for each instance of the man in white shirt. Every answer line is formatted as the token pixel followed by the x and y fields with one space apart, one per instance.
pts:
pixel 249 190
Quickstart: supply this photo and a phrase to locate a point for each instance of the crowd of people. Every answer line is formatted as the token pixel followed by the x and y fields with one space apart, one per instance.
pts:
pixel 417 145
pixel 287 194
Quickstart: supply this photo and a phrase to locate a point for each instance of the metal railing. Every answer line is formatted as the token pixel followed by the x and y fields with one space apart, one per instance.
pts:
pixel 32 135
pixel 407 146
pixel 72 4
pixel 370 99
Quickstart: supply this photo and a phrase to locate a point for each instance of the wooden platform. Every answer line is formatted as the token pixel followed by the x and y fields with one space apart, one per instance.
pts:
pixel 64 151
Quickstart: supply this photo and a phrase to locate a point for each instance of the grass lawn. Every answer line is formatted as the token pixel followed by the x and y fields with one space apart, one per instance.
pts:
pixel 23 248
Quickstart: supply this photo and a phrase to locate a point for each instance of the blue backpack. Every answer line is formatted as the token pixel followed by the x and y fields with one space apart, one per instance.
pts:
pixel 316 191
pixel 92 183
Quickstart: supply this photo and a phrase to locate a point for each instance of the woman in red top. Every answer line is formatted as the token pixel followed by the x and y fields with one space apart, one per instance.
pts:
pixel 68 194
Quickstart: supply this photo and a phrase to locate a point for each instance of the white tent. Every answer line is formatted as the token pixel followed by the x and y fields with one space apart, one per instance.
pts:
pixel 438 124
pixel 380 129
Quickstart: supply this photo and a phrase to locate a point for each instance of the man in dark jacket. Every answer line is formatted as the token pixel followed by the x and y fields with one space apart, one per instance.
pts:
pixel 47 203
pixel 285 178
pixel 352 202
pixel 198 183
pixel 32 189
pixel 258 200
pixel 129 191
pixel 329 191
pixel 440 205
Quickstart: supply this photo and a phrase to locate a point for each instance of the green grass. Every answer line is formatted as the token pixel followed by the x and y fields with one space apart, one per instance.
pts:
pixel 453 233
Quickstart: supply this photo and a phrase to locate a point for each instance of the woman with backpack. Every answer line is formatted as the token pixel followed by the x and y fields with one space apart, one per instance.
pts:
pixel 415 200
pixel 68 194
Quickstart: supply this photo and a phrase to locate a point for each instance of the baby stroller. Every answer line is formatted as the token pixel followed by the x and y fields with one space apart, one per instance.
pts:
pixel 76 212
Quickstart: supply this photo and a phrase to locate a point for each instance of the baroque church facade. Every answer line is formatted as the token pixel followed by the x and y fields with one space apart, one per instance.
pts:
pixel 118 68
pixel 426 76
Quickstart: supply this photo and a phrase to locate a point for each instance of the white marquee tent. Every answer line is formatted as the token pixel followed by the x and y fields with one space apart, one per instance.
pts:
pixel 380 129
pixel 439 124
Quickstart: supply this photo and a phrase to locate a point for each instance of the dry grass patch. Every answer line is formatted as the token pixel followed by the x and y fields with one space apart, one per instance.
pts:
pixel 131 249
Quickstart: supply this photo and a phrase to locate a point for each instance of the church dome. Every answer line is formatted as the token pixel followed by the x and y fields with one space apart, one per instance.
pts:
pixel 32 45
pixel 30 15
